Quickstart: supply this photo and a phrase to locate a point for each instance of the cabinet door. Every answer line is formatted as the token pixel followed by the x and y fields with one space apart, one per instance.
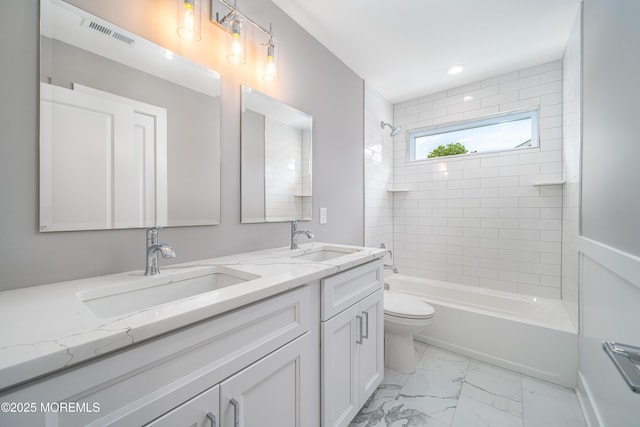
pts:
pixel 201 411
pixel 371 351
pixel 275 391
pixel 340 336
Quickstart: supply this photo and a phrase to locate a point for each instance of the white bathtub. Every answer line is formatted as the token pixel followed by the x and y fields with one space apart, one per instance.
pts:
pixel 531 335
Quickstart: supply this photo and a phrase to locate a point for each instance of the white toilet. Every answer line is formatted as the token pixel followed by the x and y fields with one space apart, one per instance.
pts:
pixel 404 315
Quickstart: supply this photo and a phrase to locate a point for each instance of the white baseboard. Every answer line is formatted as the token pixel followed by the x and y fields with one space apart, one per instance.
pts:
pixel 584 398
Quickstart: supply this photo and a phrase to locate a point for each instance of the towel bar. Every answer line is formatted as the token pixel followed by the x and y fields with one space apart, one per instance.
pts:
pixel 627 359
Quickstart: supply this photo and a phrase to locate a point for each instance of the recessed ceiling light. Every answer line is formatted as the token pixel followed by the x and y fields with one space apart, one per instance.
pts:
pixel 456 69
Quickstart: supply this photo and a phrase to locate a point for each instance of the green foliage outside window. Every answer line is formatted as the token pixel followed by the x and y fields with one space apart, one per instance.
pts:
pixel 448 150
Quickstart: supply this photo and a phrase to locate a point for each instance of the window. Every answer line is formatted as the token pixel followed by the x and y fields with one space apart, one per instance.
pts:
pixel 506 132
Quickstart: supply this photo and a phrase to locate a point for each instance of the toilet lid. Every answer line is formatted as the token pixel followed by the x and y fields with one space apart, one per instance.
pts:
pixel 403 305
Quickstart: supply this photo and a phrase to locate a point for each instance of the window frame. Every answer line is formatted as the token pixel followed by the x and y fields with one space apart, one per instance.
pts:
pixel 511 116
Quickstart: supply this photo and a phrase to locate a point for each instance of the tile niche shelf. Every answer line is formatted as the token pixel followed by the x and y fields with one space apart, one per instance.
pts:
pixel 548 182
pixel 397 189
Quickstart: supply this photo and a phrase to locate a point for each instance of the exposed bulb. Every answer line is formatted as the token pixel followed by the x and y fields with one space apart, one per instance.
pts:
pixel 237 45
pixel 188 23
pixel 236 54
pixel 271 68
pixel 188 27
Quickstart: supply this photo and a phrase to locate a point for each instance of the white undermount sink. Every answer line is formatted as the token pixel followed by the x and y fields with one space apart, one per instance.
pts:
pixel 134 295
pixel 325 253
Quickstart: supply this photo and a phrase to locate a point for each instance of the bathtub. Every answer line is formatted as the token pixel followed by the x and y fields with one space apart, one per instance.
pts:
pixel 531 335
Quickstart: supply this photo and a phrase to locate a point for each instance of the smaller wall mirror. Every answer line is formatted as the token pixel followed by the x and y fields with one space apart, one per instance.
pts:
pixel 276 160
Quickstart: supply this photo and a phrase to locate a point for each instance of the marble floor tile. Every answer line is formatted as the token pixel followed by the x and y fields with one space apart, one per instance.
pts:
pixel 396 378
pixel 435 359
pixel 420 348
pixel 549 405
pixel 450 390
pixel 471 413
pixel 434 393
pixel 495 387
pixel 394 413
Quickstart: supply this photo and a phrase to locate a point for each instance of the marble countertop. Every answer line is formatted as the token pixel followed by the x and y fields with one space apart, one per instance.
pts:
pixel 47 328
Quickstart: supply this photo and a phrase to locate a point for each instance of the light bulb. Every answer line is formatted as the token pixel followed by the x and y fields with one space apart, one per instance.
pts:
pixel 237 46
pixel 188 24
pixel 236 50
pixel 189 19
pixel 271 67
pixel 270 70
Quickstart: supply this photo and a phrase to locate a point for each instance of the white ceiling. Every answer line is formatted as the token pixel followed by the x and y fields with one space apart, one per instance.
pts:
pixel 404 48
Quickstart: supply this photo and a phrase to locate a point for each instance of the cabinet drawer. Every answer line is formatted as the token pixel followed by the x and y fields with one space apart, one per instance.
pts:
pixel 137 385
pixel 201 411
pixel 345 289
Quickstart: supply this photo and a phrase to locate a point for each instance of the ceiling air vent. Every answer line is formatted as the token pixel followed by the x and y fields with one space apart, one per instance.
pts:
pixel 100 28
pixel 106 31
pixel 124 39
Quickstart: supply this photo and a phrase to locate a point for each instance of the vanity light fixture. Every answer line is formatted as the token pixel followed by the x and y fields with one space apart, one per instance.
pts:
pixel 456 69
pixel 271 65
pixel 189 19
pixel 237 42
pixel 232 21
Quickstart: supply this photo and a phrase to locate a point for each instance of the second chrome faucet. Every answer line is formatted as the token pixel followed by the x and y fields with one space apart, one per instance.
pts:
pixel 295 232
pixel 153 249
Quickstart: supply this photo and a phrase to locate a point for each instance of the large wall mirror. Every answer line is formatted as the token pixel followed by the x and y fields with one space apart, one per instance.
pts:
pixel 129 131
pixel 276 160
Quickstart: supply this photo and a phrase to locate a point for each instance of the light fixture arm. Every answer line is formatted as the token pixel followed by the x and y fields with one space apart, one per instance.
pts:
pixel 235 12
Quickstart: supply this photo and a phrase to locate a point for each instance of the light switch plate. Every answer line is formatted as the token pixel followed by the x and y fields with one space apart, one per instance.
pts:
pixel 323 215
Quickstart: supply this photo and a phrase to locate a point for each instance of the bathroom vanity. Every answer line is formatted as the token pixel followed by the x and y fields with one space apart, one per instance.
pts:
pixel 277 337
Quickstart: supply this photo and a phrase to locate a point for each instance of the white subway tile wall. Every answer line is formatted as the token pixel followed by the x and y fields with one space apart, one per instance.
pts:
pixel 477 219
pixel 378 158
pixel 284 167
pixel 571 169
pixel 306 167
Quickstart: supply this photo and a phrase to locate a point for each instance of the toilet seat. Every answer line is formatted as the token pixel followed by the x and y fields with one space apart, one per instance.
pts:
pixel 405 306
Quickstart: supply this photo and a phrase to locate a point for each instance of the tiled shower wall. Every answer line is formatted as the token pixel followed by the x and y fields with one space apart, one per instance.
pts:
pixel 378 169
pixel 478 219
pixel 571 85
pixel 285 168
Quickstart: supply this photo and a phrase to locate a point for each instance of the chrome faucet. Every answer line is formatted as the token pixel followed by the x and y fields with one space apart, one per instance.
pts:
pixel 295 232
pixel 153 249
pixel 392 268
pixel 382 246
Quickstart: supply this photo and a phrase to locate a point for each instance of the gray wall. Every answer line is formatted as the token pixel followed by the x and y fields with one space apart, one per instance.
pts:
pixel 311 79
pixel 611 206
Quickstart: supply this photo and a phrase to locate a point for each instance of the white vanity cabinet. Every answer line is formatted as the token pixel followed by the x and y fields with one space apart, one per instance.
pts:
pixel 352 333
pixel 268 393
pixel 265 393
pixel 260 355
pixel 200 411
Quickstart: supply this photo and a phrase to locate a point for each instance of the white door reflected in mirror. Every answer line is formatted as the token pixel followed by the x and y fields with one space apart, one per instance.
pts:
pixel 129 132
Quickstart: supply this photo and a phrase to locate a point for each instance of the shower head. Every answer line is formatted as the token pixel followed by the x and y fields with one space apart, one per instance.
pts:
pixel 394 129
